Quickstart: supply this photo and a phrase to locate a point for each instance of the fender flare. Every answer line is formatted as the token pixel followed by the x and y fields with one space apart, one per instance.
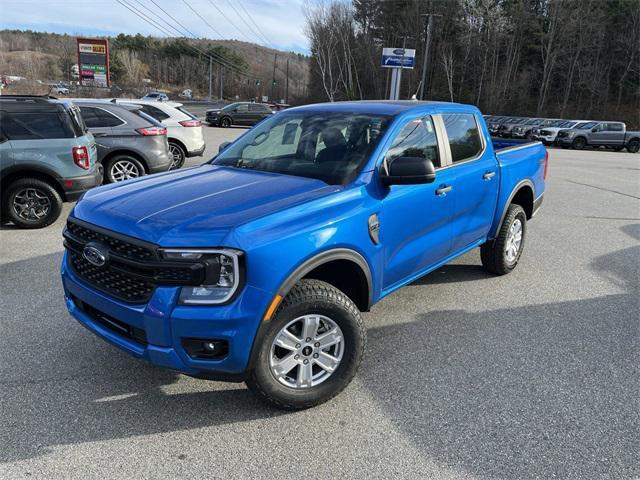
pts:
pixel 514 192
pixel 297 274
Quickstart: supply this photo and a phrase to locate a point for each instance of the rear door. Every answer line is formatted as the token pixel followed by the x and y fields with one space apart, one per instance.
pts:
pixel 475 186
pixel 614 133
pixel 415 223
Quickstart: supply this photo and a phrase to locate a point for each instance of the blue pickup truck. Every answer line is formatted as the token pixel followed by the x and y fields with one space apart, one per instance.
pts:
pixel 256 265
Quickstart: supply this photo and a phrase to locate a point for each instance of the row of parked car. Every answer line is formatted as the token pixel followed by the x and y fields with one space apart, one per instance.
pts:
pixel 576 134
pixel 53 150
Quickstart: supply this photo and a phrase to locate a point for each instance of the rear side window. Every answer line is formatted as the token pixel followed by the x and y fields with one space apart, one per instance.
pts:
pixel 33 125
pixel 258 107
pixel 614 127
pixel 242 108
pixel 97 117
pixel 187 112
pixel 416 139
pixel 154 112
pixel 464 136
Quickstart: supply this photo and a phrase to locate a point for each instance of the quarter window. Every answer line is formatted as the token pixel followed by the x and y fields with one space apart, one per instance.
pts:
pixel 154 112
pixel 464 137
pixel 416 139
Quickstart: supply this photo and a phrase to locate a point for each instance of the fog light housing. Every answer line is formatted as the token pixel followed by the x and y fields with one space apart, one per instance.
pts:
pixel 205 349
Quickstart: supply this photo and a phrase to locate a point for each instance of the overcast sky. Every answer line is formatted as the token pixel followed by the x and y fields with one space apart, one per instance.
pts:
pixel 280 23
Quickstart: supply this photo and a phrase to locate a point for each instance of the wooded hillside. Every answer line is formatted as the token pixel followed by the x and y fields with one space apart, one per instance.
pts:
pixel 171 64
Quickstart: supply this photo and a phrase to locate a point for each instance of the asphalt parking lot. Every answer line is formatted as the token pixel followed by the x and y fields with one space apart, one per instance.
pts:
pixel 466 375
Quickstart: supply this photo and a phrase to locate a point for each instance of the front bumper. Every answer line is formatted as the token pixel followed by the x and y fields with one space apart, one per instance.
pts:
pixel 564 141
pixel 165 324
pixel 74 187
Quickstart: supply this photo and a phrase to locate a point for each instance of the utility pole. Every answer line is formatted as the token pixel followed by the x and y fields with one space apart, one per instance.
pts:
pixel 221 82
pixel 273 80
pixel 286 90
pixel 210 77
pixel 428 28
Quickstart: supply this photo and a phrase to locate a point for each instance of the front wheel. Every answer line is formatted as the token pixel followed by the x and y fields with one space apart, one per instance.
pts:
pixel 500 256
pixel 579 143
pixel 225 122
pixel 311 350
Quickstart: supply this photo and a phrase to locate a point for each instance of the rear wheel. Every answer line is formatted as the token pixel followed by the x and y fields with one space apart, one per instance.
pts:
pixel 633 146
pixel 312 349
pixel 500 256
pixel 31 203
pixel 123 167
pixel 178 155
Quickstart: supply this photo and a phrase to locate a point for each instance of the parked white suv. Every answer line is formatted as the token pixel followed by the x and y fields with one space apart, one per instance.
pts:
pixel 548 135
pixel 184 130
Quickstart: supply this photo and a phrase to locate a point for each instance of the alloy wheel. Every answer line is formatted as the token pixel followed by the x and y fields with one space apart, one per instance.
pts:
pixel 124 170
pixel 307 351
pixel 514 241
pixel 177 156
pixel 31 204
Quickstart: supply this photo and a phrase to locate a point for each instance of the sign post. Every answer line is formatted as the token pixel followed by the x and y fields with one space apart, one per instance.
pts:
pixel 93 62
pixel 397 59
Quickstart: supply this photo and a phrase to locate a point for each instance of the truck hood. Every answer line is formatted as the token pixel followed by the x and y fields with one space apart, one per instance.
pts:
pixel 194 207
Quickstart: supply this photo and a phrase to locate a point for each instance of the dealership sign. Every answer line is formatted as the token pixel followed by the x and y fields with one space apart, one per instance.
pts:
pixel 398 58
pixel 93 62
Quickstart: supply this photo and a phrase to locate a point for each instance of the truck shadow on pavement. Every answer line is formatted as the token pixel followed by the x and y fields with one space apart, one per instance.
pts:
pixel 539 390
pixel 547 390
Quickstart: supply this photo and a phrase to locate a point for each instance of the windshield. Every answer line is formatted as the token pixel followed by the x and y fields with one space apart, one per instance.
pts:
pixel 326 146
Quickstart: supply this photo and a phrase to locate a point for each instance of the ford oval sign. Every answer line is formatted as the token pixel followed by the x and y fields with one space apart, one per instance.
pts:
pixel 95 255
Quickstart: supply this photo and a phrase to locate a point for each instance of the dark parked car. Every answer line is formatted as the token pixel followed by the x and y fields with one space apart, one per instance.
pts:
pixel 507 126
pixel 47 156
pixel 239 113
pixel 130 142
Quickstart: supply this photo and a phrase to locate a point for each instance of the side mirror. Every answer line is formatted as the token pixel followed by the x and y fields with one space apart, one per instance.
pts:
pixel 409 171
pixel 223 146
pixel 594 129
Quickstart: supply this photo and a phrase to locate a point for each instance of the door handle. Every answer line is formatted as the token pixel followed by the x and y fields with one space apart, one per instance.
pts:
pixel 488 175
pixel 442 191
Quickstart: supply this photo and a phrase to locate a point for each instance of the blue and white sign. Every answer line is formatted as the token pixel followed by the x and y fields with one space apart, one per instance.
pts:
pixel 398 57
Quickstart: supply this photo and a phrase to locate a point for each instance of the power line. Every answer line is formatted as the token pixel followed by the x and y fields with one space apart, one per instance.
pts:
pixel 247 23
pixel 214 56
pixel 256 25
pixel 203 19
pixel 231 22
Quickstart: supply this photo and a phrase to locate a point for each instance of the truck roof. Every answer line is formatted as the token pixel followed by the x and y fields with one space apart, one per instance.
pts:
pixel 384 107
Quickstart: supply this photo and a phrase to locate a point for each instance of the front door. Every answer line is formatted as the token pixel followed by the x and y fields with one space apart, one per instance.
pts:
pixel 415 226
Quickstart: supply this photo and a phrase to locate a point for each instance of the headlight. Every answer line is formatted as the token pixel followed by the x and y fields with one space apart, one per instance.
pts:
pixel 223 274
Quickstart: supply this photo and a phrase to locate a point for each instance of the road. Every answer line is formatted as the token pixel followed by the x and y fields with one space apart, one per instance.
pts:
pixel 466 375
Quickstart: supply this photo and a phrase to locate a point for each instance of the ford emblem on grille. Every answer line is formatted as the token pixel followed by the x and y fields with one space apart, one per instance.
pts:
pixel 95 254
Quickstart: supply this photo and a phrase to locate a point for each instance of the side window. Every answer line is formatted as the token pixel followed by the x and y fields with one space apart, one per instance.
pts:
pixel 464 136
pixel 614 127
pixel 90 117
pixel 155 112
pixel 34 126
pixel 416 139
pixel 598 128
pixel 242 108
pixel 255 107
pixel 107 119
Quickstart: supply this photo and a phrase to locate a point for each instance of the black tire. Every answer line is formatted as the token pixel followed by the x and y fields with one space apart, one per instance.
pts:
pixel 39 193
pixel 310 297
pixel 225 122
pixel 178 155
pixel 633 146
pixel 122 167
pixel 579 143
pixel 494 253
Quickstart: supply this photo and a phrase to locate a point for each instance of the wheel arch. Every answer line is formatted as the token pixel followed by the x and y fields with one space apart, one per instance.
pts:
pixel 179 143
pixel 523 195
pixel 10 175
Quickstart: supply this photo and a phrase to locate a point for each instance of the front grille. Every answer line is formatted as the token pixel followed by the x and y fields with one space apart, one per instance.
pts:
pixel 116 245
pixel 132 270
pixel 118 284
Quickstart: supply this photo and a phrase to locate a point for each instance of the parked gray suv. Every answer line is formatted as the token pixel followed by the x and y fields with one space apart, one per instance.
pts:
pixel 130 142
pixel 47 156
pixel 612 135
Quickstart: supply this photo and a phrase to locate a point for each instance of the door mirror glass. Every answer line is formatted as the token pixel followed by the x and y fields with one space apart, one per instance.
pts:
pixel 409 171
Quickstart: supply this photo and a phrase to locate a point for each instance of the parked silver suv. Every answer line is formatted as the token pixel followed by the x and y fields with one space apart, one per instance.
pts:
pixel 47 156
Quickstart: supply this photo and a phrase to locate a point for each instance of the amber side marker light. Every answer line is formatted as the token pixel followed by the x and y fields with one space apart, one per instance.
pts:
pixel 272 308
